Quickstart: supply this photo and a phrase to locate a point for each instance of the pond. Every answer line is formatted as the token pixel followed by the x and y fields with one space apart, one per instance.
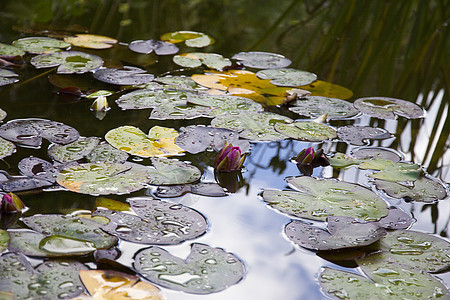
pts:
pixel 173 75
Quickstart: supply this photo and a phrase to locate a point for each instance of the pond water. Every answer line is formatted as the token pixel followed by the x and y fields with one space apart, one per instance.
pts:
pixel 348 43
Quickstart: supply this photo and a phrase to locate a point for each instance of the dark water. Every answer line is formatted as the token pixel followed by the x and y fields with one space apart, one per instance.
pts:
pixel 350 43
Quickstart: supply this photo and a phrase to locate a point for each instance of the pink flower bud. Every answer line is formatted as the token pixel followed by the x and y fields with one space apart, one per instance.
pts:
pixel 11 203
pixel 229 159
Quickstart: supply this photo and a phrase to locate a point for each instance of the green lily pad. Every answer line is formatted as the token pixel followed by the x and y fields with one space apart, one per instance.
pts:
pixel 73 151
pixel 91 41
pixel 171 171
pixel 422 190
pixel 376 152
pixel 191 38
pixel 316 106
pixel 343 232
pixel 210 189
pixel 342 160
pixel 357 135
pixel 160 141
pixel 40 45
pixel 226 104
pixel 196 59
pixel 125 76
pixel 4 239
pixel 421 251
pixel 107 153
pixel 252 125
pixel 307 131
pixel 287 76
pixel 9 50
pixel 157 222
pixel 68 62
pixel 390 171
pixel 104 178
pixel 142 99
pixel 388 108
pixel 7 77
pixel 206 270
pixel 178 81
pixel 174 111
pixel 148 46
pixel 53 279
pixel 385 281
pixel 262 60
pixel 319 198
pixel 6 148
pixel 3 114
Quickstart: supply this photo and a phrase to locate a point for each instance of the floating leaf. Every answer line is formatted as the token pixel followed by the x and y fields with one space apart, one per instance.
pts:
pixel 7 77
pixel 357 135
pixel 29 132
pixel 4 239
pixel 319 198
pixel 326 89
pixel 157 222
pixel 160 141
pixel 307 131
pixel 3 114
pixel 125 76
pixel 6 148
pixel 147 98
pixel 178 81
pixel 174 111
pixel 23 183
pixel 40 45
pixel 421 251
pixel 106 284
pixel 73 151
pixel 148 46
pixel 253 126
pixel 386 281
pixel 68 62
pixel 316 106
pixel 388 108
pixel 196 59
pixel 91 41
pixel 396 219
pixel 107 153
pixel 206 270
pixel 210 189
pixel 226 104
pixel 104 178
pixel 422 190
pixel 111 204
pixel 377 152
pixel 171 171
pixel 341 160
pixel 343 232
pixel 392 171
pixel 262 60
pixel 37 168
pixel 196 139
pixel 11 50
pixel 191 38
pixel 287 76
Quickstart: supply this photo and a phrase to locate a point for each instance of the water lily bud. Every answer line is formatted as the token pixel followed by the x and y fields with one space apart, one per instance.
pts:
pixel 100 104
pixel 229 159
pixel 11 203
pixel 308 159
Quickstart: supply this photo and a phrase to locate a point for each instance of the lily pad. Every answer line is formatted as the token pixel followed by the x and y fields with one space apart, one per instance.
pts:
pixel 40 45
pixel 23 183
pixel 385 281
pixel 148 46
pixel 253 126
pixel 327 89
pixel 421 251
pixel 342 160
pixel 73 151
pixel 178 81
pixel 29 132
pixel 392 171
pixel 319 198
pixel 262 60
pixel 316 106
pixel 196 59
pixel 171 171
pixel 377 152
pixel 210 189
pixel 196 139
pixel 3 114
pixel 4 239
pixel 37 168
pixel 53 279
pixel 107 284
pixel 104 178
pixel 206 270
pixel 160 141
pixel 357 135
pixel 422 190
pixel 287 76
pixel 307 131
pixel 91 41
pixel 9 50
pixel 7 77
pixel 68 62
pixel 226 104
pixel 343 232
pixel 191 38
pixel 174 111
pixel 6 148
pixel 125 76
pixel 396 219
pixel 157 222
pixel 388 108
pixel 142 99
pixel 107 153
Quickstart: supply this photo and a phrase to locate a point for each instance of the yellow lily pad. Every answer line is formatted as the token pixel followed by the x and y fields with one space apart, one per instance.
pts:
pixel 91 41
pixel 327 89
pixel 160 141
pixel 191 38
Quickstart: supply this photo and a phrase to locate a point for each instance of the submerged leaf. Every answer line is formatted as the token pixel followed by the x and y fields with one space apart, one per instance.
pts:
pixel 388 108
pixel 91 41
pixel 68 62
pixel 40 45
